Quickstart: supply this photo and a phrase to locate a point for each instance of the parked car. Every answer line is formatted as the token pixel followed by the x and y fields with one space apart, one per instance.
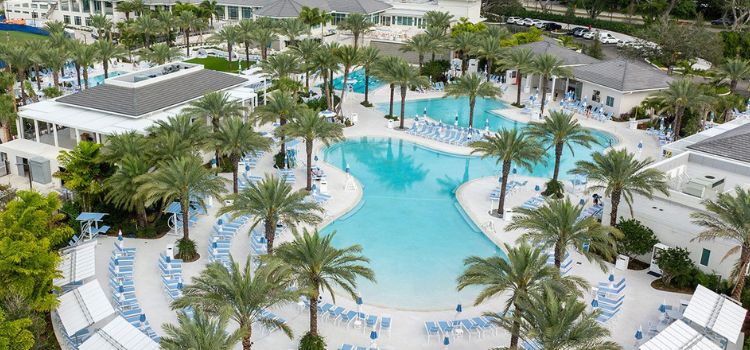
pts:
pixel 573 30
pixel 513 20
pixel 536 22
pixel 580 32
pixel 607 38
pixel 540 24
pixel 589 34
pixel 623 43
pixel 722 22
pixel 527 22
pixel 550 26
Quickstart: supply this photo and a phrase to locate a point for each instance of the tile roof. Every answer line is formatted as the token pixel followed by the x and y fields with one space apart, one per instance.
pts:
pixel 623 75
pixel 733 144
pixel 550 46
pixel 152 97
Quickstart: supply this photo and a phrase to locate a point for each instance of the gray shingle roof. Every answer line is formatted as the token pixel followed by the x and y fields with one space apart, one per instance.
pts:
pixel 358 6
pixel 292 8
pixel 623 75
pixel 152 97
pixel 733 144
pixel 570 57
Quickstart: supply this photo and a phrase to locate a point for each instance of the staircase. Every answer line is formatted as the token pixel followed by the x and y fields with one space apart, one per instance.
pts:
pixel 52 8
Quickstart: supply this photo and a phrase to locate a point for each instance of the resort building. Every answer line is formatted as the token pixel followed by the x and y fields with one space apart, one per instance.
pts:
pixel 128 102
pixel 699 168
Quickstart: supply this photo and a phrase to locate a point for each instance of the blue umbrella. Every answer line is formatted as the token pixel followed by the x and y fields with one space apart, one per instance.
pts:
pixel 581 202
pixel 537 188
pixel 359 300
pixel 142 318
pixel 446 341
pixel 662 308
pixel 594 303
pixel 500 179
pixel 316 158
pixel 220 222
pixel 373 334
pixel 459 308
pixel 514 171
pixel 121 289
pixel 119 235
pixel 611 277
pixel 347 168
pixel 247 168
pixel 213 245
pixel 639 333
pixel 117 262
pixel 640 145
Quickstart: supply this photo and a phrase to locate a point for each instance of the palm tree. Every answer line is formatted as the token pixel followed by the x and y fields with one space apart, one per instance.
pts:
pixel 281 106
pixel 147 26
pixel 213 107
pixel 271 201
pixel 556 225
pixel 263 37
pixel 356 23
pixel 558 130
pixel 681 95
pixel 548 65
pixel 122 186
pixel 327 63
pixel 107 51
pixel 310 126
pixel 472 85
pixel 126 7
pixel 728 218
pixel 317 266
pixel 183 179
pixel 489 48
pixel 179 134
pixel 385 69
pixel 281 66
pixel 306 49
pixel 80 170
pixel 421 44
pixel 120 145
pixel 102 24
pixel 139 7
pixel 236 138
pixel 84 56
pixel 168 23
pixel 734 70
pixel 509 146
pixel 406 76
pixel 293 28
pixel 212 9
pixel 310 16
pixel 54 59
pixel 368 57
pixel 620 175
pixel 200 332
pixel 438 21
pixel 17 58
pixel 229 35
pixel 8 115
pixel 161 53
pixel 53 27
pixel 189 22
pixel 463 44
pixel 243 294
pixel 348 56
pixel 523 273
pixel 560 322
pixel 245 29
pixel 37 47
pixel 520 59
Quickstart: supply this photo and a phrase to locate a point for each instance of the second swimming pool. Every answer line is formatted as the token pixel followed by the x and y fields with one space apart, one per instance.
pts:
pixel 359 85
pixel 447 108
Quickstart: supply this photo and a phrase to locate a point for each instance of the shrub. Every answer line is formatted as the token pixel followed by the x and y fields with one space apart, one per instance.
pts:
pixel 278 160
pixel 51 92
pixel 186 250
pixel 321 103
pixel 436 69
pixel 553 189
pixel 594 50
pixel 312 342
pixel 637 239
pixel 676 266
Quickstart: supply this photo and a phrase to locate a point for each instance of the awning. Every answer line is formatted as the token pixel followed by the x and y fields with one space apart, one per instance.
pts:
pixel 83 307
pixel 77 263
pixel 679 336
pixel 119 335
pixel 716 313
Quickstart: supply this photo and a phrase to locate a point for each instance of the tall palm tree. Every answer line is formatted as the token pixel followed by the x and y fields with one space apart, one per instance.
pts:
pixel 8 115
pixel 356 23
pixel 263 37
pixel 525 272
pixel 472 85
pixel 54 26
pixel 293 28
pixel 306 49
pixel 310 126
pixel 327 63
pixel 348 56
pixel 200 332
pixel 126 7
pixel 558 130
pixel 463 44
pixel 310 16
pixel 194 134
pixel 213 107
pixel 421 44
pixel 680 96
pixel 183 179
pixel 556 225
pixel 122 186
pixel 245 28
pixel 728 218
pixel 520 59
pixel 54 59
pixel 281 66
pixel 271 201
pixel 548 65
pixel 84 56
pixel 385 69
pixel 120 145
pixel 161 53
pixel 509 146
pixel 406 76
pixel 560 322
pixel 368 57
pixel 211 8
pixel 241 293
pixel 102 24
pixel 230 36
pixel 734 70
pixel 106 51
pixel 489 48
pixel 281 106
pixel 147 26
pixel 189 22
pixel 139 7
pixel 620 175
pixel 17 58
pixel 236 138
pixel 317 266
pixel 438 21
pixel 168 23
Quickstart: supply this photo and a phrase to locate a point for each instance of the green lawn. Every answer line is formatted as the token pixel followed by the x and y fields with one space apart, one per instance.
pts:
pixel 16 37
pixel 218 63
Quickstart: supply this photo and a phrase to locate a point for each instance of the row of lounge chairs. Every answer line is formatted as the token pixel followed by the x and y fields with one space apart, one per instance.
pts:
pixel 510 187
pixel 220 240
pixel 352 318
pixel 258 242
pixel 475 326
pixel 580 107
pixel 453 135
pixel 609 299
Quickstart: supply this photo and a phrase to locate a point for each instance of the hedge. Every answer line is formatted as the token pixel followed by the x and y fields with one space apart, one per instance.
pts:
pixel 620 27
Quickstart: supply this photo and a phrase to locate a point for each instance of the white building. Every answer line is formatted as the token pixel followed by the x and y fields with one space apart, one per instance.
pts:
pixel 701 166
pixel 129 102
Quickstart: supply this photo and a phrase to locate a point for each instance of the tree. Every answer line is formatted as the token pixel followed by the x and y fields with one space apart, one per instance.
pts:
pixel 168 23
pixel 54 59
pixel 281 67
pixel 547 66
pixel 54 27
pixel 728 217
pixel 637 239
pixel 620 175
pixel 310 126
pixel 348 56
pixel 558 130
pixel 733 70
pixel 84 56
pixel 406 76
pixel 236 138
pixel 263 37
pixel 106 51
pixel 126 7
pixel 293 28
pixel 386 69
pixel 122 186
pixel 17 57
pixel 472 85
pixel 421 44
pixel 312 17
pixel 675 42
pixel 189 22
pixel 183 179
pixel 82 172
pixel 177 136
pixel 316 265
pixel 8 116
pixel 463 43
pixel 36 47
pixel 489 48
pixel 509 146
pixel 281 106
pixel 438 21
pixel 327 63
pixel 161 53
pixel 678 97
pixel 241 293
pixel 139 7
pixel 358 24
pixel 595 49
pixel 368 57
pixel 272 201
pixel 230 36
pixel 200 332
pixel 306 49
pixel 520 59
pixel 213 107
pixel 147 26
pixel 675 263
pixel 212 9
pixel 14 334
pixel 523 274
pixel 595 7
pixel 556 226
pixel 102 24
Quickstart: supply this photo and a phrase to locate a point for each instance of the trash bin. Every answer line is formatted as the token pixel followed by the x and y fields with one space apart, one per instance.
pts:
pixel 622 262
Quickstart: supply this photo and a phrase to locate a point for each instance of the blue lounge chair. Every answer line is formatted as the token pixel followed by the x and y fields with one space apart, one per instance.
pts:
pixel 346 347
pixel 371 321
pixel 470 328
pixel 432 329
pixel 346 318
pixel 323 309
pixel 483 324
pixel 445 327
pixel 385 324
pixel 333 314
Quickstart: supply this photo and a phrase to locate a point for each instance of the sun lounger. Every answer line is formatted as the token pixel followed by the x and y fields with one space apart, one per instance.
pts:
pixel 371 321
pixel 345 318
pixel 385 324
pixel 432 329
pixel 470 328
pixel 483 324
pixel 333 314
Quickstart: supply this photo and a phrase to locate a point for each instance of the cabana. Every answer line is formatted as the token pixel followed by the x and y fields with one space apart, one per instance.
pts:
pixel 679 336
pixel 119 335
pixel 83 306
pixel 77 263
pixel 717 314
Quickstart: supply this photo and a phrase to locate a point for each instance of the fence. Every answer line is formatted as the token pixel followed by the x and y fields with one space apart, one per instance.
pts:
pixel 22 28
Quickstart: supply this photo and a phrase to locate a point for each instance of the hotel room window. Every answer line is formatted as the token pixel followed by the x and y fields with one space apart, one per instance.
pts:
pixel 247 12
pixel 65 6
pixel 596 96
pixel 610 101
pixel 233 12
pixel 220 10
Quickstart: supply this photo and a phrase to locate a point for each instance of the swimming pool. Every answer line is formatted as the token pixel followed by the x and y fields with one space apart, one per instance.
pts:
pixel 359 85
pixel 99 79
pixel 445 109
pixel 409 222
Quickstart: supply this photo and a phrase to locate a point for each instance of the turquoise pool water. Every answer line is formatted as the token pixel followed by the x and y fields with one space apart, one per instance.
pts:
pixel 409 222
pixel 359 86
pixel 99 79
pixel 446 109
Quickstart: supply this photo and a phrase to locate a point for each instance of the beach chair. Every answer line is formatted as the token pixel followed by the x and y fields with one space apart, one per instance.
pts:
pixel 469 327
pixel 432 329
pixel 348 317
pixel 371 321
pixel 484 325
pixel 333 314
pixel 385 324
pixel 615 289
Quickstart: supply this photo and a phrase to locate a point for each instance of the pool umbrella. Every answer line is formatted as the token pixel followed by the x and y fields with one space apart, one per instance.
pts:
pixel 373 338
pixel 661 123
pixel 662 308
pixel 639 333
pixel 359 304
pixel 424 112
pixel 640 145
pixel 347 168
pixel 119 236
pixel 611 277
pixel 594 303
pixel 582 202
pixel 446 342
pixel 455 122
pixel 247 169
pixel 537 188
pixel 459 309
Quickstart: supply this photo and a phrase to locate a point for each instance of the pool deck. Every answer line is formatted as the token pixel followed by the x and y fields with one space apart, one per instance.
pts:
pixel 408 332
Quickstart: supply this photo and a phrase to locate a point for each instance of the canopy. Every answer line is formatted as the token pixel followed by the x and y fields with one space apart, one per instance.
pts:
pixel 679 336
pixel 119 335
pixel 716 313
pixel 77 263
pixel 83 306
pixel 91 216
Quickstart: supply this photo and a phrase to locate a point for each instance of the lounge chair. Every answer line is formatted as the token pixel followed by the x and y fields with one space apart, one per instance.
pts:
pixel 346 318
pixel 483 324
pixel 371 321
pixel 432 329
pixel 385 324
pixel 470 328
pixel 333 314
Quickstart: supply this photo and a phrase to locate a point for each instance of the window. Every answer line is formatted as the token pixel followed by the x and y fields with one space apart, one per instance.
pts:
pixel 88 21
pixel 338 18
pixel 64 5
pixel 610 101
pixel 247 12
pixel 86 6
pixel 76 6
pixel 34 15
pixel 66 19
pixel 233 12
pixel 77 20
pixel 107 8
pixel 596 96
pixel 705 256
pixel 97 6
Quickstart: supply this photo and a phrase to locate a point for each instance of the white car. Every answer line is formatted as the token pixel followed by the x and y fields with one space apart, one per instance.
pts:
pixel 540 24
pixel 623 43
pixel 607 38
pixel 590 34
pixel 513 20
pixel 536 22
pixel 527 22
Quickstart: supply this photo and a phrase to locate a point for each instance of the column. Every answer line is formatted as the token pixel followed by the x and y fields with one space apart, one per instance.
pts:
pixel 554 81
pixel 98 138
pixel 78 136
pixel 567 83
pixel 36 130
pixel 54 134
pixel 19 127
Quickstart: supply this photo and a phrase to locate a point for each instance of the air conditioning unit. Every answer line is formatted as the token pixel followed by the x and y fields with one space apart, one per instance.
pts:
pixel 704 187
